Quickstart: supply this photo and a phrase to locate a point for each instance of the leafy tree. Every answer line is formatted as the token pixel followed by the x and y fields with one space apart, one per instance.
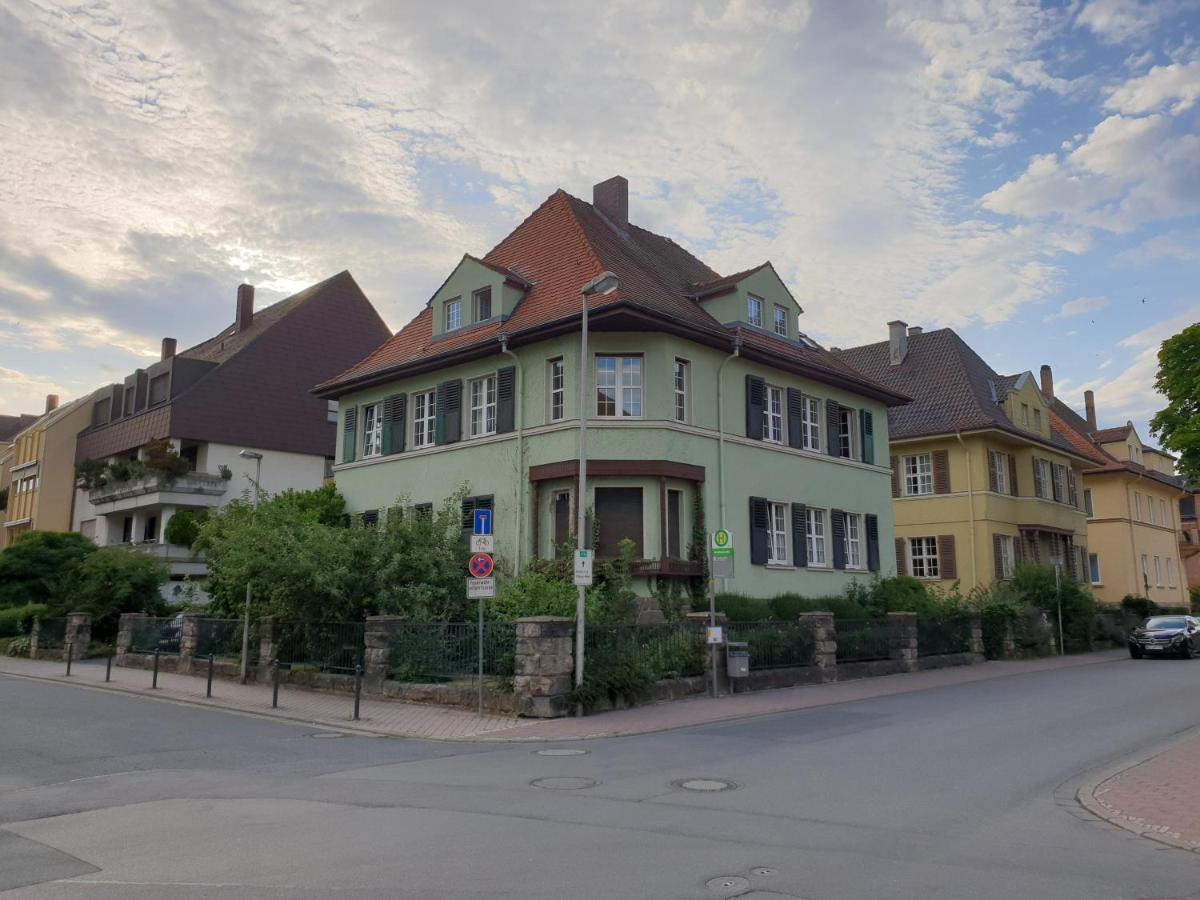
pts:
pixel 111 581
pixel 1178 426
pixel 183 528
pixel 323 505
pixel 1034 584
pixel 34 566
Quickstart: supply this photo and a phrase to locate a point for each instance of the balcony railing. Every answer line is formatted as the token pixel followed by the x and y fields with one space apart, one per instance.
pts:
pixel 199 483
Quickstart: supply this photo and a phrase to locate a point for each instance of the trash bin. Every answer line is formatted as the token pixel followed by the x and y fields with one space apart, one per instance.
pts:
pixel 737 659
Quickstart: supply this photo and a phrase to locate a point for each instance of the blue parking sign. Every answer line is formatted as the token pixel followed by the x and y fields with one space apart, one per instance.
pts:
pixel 483 521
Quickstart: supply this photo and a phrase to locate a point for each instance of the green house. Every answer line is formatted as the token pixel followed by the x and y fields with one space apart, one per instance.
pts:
pixel 706 407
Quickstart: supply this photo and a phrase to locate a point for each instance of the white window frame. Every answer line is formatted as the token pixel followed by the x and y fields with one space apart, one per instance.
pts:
pixel 424 419
pixel 1170 572
pixel 627 380
pixel 779 316
pixel 372 433
pixel 855 559
pixel 811 423
pixel 1037 419
pixel 1002 471
pixel 848 432
pixel 1145 571
pixel 481 393
pixel 1094 574
pixel 476 296
pixel 1164 517
pixel 923 554
pixel 773 423
pixel 1158 582
pixel 917 477
pixel 816 537
pixel 1007 555
pixel 1046 471
pixel 1137 506
pixel 754 310
pixel 778 544
pixel 556 390
pixel 331 411
pixel 1025 414
pixel 681 374
pixel 1150 509
pixel 1059 474
pixel 454 305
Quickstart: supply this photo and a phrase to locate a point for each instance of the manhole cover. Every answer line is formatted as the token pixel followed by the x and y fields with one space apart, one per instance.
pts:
pixel 327 734
pixel 560 751
pixel 705 785
pixel 564 783
pixel 727 885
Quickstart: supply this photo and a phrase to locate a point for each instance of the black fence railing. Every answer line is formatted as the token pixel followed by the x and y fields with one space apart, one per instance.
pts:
pixel 662 651
pixel 941 637
pixel 222 638
pixel 862 640
pixel 156 633
pixel 52 634
pixel 323 646
pixel 448 651
pixel 774 645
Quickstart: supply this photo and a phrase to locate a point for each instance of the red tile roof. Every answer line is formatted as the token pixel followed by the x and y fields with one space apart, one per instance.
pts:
pixel 1111 435
pixel 1074 428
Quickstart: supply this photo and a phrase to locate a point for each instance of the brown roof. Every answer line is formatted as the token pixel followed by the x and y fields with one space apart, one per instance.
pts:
pixel 1075 429
pixel 1112 435
pixel 561 246
pixel 11 426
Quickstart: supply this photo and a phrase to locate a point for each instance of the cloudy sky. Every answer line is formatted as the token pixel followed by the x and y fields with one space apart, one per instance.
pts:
pixel 1026 173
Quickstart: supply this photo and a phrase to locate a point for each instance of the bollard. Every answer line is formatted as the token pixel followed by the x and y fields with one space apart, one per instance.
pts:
pixel 108 668
pixel 211 658
pixel 274 684
pixel 70 653
pixel 358 673
pixel 154 683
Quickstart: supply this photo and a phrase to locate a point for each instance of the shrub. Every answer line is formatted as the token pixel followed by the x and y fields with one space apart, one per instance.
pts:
pixel 533 593
pixel 115 580
pixel 34 566
pixel 19 619
pixel 19 646
pixel 1035 586
pixel 183 528
pixel 740 608
pixel 788 607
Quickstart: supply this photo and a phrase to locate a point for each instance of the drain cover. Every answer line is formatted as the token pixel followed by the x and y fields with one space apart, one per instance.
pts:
pixel 727 885
pixel 705 785
pixel 564 783
pixel 560 751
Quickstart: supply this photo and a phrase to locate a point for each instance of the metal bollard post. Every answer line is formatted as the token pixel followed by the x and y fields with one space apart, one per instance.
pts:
pixel 154 683
pixel 108 668
pixel 358 673
pixel 274 684
pixel 211 658
pixel 70 653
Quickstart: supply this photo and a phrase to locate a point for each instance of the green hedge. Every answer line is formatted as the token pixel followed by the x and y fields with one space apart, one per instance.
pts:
pixel 19 619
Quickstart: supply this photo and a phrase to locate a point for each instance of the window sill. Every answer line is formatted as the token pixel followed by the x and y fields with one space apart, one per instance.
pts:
pixel 485 434
pixel 777 565
pixel 821 568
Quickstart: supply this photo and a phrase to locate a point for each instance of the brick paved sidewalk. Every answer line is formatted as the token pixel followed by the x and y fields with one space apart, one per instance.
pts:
pixel 399 719
pixel 1158 798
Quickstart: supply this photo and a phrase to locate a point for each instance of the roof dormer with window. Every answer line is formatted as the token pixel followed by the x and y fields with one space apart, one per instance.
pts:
pixel 475 294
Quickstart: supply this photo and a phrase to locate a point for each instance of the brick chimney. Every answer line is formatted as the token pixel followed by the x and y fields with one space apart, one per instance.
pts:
pixel 1089 406
pixel 1047 383
pixel 168 348
pixel 245 307
pixel 914 330
pixel 611 197
pixel 897 341
pixel 51 402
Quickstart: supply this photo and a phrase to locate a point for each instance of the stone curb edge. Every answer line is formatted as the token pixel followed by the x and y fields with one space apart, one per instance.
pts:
pixel 1085 796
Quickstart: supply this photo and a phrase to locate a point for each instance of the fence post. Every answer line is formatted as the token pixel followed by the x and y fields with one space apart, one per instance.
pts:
pixel 78 634
pixel 34 634
pixel 108 668
pixel 698 621
pixel 544 663
pixel 69 650
pixel 274 668
pixel 189 638
pixel 902 639
pixel 211 660
pixel 125 629
pixel 358 680
pixel 266 646
pixel 975 638
pixel 154 681
pixel 824 632
pixel 378 635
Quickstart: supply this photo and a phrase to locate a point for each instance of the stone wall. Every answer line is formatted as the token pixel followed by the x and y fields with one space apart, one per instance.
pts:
pixel 545 661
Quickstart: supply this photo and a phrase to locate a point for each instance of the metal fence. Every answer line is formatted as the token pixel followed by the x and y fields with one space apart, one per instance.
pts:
pixel 664 651
pixel 151 633
pixel 447 651
pixel 324 646
pixel 222 638
pixel 52 634
pixel 862 640
pixel 774 644
pixel 941 637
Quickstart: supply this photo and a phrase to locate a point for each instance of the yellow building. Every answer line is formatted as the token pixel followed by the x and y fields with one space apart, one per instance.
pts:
pixel 981 480
pixel 41 471
pixel 1131 495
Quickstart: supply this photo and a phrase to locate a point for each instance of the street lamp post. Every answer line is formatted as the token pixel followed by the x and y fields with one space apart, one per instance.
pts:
pixel 604 283
pixel 257 457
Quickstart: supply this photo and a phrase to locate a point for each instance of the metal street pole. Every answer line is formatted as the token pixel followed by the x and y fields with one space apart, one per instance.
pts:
pixel 1058 594
pixel 257 457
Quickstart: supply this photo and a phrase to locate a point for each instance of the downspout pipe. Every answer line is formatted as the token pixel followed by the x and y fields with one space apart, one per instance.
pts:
pixel 519 390
pixel 970 510
pixel 737 349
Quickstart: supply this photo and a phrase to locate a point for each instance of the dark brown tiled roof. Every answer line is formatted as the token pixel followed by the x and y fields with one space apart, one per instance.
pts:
pixel 561 246
pixel 11 426
pixel 1111 435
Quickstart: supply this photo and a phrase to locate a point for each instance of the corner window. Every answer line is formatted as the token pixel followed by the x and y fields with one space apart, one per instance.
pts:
pixel 754 311
pixel 847 442
pixel 780 321
pixel 556 391
pixel 773 415
pixel 372 430
pixel 1000 463
pixel 424 419
pixel 811 424
pixel 619 386
pixel 777 537
pixel 1043 486
pixel 483 304
pixel 453 314
pixel 1060 482
pixel 814 524
pixel 1094 568
pixel 681 390
pixel 854 554
pixel 483 406
pixel 918 475
pixel 923 557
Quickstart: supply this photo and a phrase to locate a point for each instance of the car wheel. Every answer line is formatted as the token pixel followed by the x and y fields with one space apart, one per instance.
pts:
pixel 1135 653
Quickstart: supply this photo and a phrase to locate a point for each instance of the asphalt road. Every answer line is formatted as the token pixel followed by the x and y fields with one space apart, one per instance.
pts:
pixel 958 792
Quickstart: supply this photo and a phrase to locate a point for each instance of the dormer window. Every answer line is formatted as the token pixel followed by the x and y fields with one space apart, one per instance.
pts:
pixel 453 314
pixel 483 304
pixel 780 321
pixel 1037 419
pixel 754 311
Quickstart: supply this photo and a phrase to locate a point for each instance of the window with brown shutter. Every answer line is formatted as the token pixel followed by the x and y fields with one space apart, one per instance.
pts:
pixel 618 516
pixel 998 556
pixel 901 562
pixel 1012 476
pixel 947 564
pixel 895 477
pixel 993 475
pixel 941 472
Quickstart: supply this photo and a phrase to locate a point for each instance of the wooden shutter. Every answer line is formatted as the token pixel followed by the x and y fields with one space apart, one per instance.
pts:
pixel 756 404
pixel 837 534
pixel 1039 489
pixel 1018 550
pixel 1056 483
pixel 872 524
pixel 759 538
pixel 448 427
pixel 393 423
pixel 468 517
pixel 795 418
pixel 901 560
pixel 895 477
pixel 941 471
pixel 799 535
pixel 831 427
pixel 1072 492
pixel 997 555
pixel 947 564
pixel 506 380
pixel 867 431
pixel 1012 476
pixel 349 433
pixel 993 474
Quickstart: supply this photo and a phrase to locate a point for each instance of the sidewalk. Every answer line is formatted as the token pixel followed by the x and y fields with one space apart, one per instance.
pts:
pixel 1157 798
pixel 395 718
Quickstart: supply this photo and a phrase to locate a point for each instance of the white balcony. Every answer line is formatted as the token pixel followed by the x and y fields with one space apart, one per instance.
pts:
pixel 180 560
pixel 191 490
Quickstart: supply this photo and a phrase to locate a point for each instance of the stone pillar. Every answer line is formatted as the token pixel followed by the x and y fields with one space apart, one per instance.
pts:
pixel 35 633
pixel 189 637
pixel 377 639
pixel 544 664
pixel 699 622
pixel 975 638
pixel 823 627
pixel 1008 644
pixel 902 639
pixel 78 634
pixel 266 647
pixel 125 629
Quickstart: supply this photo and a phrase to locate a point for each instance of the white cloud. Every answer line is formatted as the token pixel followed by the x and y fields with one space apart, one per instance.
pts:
pixel 1177 84
pixel 24 393
pixel 1183 245
pixel 1116 21
pixel 1077 308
